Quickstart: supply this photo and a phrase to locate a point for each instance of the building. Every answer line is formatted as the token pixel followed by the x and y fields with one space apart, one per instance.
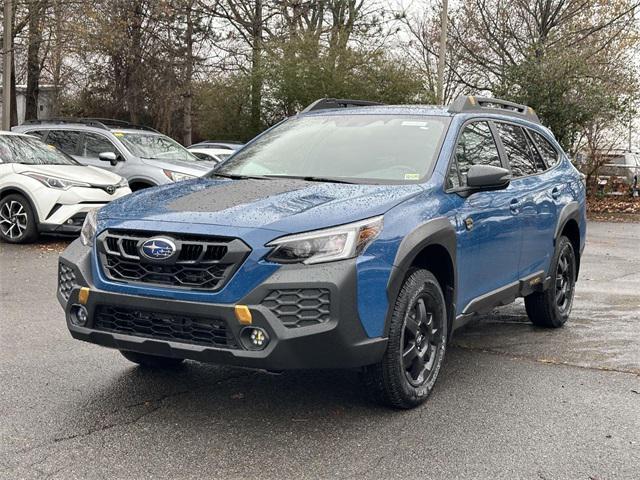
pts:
pixel 45 101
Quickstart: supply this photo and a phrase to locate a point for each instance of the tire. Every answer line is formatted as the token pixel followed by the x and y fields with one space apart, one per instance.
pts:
pixel 551 308
pixel 151 361
pixel 419 317
pixel 18 223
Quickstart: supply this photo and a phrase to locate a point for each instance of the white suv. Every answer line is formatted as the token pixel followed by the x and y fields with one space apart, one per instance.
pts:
pixel 44 190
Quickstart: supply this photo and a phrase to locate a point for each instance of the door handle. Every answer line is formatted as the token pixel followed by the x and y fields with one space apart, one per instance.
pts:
pixel 514 204
pixel 555 193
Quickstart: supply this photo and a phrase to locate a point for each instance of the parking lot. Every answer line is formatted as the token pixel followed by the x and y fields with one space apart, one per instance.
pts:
pixel 512 401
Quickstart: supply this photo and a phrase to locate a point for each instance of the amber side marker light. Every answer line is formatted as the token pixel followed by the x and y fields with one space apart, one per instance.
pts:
pixel 243 314
pixel 83 295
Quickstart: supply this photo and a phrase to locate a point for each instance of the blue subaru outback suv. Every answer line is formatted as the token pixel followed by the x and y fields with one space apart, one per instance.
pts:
pixel 350 235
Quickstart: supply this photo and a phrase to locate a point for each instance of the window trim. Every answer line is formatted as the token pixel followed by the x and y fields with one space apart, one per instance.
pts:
pixel 106 137
pixel 452 157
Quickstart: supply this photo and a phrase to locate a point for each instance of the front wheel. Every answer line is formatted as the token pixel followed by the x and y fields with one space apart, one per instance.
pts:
pixel 416 346
pixel 552 307
pixel 17 220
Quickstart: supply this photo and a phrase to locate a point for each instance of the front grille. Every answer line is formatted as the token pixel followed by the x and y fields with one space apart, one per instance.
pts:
pixel 66 280
pixel 200 263
pixel 164 326
pixel 300 307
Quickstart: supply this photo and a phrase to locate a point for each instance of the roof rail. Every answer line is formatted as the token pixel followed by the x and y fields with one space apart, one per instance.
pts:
pixel 111 122
pixel 471 103
pixel 81 121
pixel 103 123
pixel 327 103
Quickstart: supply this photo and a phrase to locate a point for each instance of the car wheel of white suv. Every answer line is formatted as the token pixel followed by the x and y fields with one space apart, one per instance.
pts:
pixel 17 221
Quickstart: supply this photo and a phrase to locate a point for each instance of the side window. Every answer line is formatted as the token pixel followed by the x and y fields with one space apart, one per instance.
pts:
pixel 94 144
pixel 65 140
pixel 37 133
pixel 548 152
pixel 476 146
pixel 517 149
pixel 537 159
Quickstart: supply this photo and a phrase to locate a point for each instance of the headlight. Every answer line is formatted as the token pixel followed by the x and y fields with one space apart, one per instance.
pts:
pixel 336 243
pixel 55 182
pixel 122 183
pixel 177 176
pixel 89 227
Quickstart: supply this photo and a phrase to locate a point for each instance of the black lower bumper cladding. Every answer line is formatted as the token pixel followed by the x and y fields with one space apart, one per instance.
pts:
pixel 211 333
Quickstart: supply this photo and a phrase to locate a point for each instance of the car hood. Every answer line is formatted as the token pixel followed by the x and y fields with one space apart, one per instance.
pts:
pixel 284 205
pixel 79 173
pixel 195 167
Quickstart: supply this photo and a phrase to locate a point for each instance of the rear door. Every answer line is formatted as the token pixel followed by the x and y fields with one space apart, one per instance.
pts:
pixel 537 193
pixel 489 231
pixel 66 140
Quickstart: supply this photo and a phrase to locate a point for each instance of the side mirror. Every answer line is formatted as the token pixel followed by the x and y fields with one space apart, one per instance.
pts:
pixel 488 177
pixel 110 157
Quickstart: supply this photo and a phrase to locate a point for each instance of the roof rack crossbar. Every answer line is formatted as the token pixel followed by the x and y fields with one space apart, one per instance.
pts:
pixel 329 103
pixel 471 103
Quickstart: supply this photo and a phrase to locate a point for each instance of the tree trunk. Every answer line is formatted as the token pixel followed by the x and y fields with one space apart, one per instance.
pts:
pixel 14 97
pixel 256 70
pixel 33 61
pixel 56 66
pixel 134 63
pixel 188 93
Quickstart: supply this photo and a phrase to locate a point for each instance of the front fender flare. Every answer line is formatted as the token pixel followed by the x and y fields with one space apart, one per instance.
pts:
pixel 439 231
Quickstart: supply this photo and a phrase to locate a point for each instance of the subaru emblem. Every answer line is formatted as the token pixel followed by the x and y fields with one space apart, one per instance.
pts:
pixel 158 248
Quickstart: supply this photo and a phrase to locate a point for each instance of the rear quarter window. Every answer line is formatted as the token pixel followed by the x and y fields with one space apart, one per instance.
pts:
pixel 548 151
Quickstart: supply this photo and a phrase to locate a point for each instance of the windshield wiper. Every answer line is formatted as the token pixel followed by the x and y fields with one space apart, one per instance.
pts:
pixel 313 179
pixel 240 177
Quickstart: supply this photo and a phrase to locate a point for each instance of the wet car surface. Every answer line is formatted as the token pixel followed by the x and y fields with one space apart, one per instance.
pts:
pixel 513 401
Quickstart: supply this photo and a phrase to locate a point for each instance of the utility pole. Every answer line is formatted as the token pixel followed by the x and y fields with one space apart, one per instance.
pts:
pixel 6 71
pixel 443 52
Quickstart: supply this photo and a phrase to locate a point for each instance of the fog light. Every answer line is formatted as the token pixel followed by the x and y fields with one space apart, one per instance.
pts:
pixel 79 315
pixel 254 338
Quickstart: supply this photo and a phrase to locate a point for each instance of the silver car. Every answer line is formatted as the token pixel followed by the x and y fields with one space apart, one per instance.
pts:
pixel 140 154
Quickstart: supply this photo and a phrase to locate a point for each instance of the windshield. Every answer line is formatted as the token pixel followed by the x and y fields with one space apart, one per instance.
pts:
pixel 154 147
pixel 388 148
pixel 31 151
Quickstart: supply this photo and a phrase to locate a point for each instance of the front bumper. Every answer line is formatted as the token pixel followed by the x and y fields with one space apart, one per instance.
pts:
pixel 338 342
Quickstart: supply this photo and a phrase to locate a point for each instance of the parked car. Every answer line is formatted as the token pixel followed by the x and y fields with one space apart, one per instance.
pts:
pixel 218 144
pixel 143 156
pixel 211 153
pixel 43 190
pixel 350 235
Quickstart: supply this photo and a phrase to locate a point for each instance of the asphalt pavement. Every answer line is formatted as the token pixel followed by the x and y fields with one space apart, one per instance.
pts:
pixel 512 401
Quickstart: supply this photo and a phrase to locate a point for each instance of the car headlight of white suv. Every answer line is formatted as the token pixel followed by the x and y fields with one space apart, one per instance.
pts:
pixel 55 182
pixel 177 176
pixel 89 227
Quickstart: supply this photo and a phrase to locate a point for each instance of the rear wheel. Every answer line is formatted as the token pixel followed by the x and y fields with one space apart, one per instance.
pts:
pixel 417 342
pixel 151 361
pixel 552 307
pixel 17 221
